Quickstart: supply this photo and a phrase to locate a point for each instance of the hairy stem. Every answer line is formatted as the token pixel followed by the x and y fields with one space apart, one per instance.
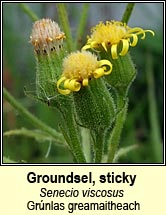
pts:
pixel 117 129
pixel 99 146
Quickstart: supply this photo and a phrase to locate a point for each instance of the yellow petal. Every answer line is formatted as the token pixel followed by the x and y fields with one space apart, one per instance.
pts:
pixel 125 47
pixel 144 31
pixel 67 83
pixel 104 46
pixel 85 82
pixel 72 85
pixel 75 85
pixel 135 40
pixel 135 30
pixel 152 32
pixel 114 51
pixel 143 36
pixel 94 44
pixel 105 64
pixel 62 91
pixel 86 47
pixel 98 73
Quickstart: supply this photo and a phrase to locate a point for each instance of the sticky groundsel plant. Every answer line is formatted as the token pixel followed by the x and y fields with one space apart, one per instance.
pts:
pixel 88 85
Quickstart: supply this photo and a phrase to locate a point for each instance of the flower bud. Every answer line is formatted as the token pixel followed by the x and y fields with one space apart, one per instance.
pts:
pixel 47 40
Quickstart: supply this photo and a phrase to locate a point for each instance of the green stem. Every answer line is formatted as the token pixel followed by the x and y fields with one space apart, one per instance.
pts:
pixel 35 121
pixel 63 18
pixel 86 144
pixel 82 24
pixel 99 146
pixel 117 129
pixel 75 142
pixel 127 13
pixel 153 116
pixel 28 11
pixel 71 134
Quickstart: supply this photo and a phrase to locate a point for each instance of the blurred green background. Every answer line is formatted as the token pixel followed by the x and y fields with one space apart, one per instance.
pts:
pixel 144 124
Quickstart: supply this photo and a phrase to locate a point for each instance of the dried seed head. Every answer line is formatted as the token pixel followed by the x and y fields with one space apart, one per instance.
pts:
pixel 46 36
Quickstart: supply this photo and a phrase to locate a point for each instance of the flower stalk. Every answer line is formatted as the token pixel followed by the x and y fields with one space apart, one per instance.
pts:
pixel 47 40
pixel 113 142
pixel 71 133
pixel 112 40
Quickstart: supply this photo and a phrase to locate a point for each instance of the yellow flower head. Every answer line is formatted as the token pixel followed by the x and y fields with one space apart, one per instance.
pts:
pixel 79 68
pixel 46 36
pixel 115 36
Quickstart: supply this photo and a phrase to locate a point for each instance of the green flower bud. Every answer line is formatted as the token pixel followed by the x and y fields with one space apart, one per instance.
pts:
pixel 94 106
pixel 123 74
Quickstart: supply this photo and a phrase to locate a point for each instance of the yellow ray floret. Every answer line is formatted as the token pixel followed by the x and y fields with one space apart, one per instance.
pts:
pixel 114 36
pixel 79 68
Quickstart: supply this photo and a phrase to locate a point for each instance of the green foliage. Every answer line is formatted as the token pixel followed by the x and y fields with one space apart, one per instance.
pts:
pixel 37 137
